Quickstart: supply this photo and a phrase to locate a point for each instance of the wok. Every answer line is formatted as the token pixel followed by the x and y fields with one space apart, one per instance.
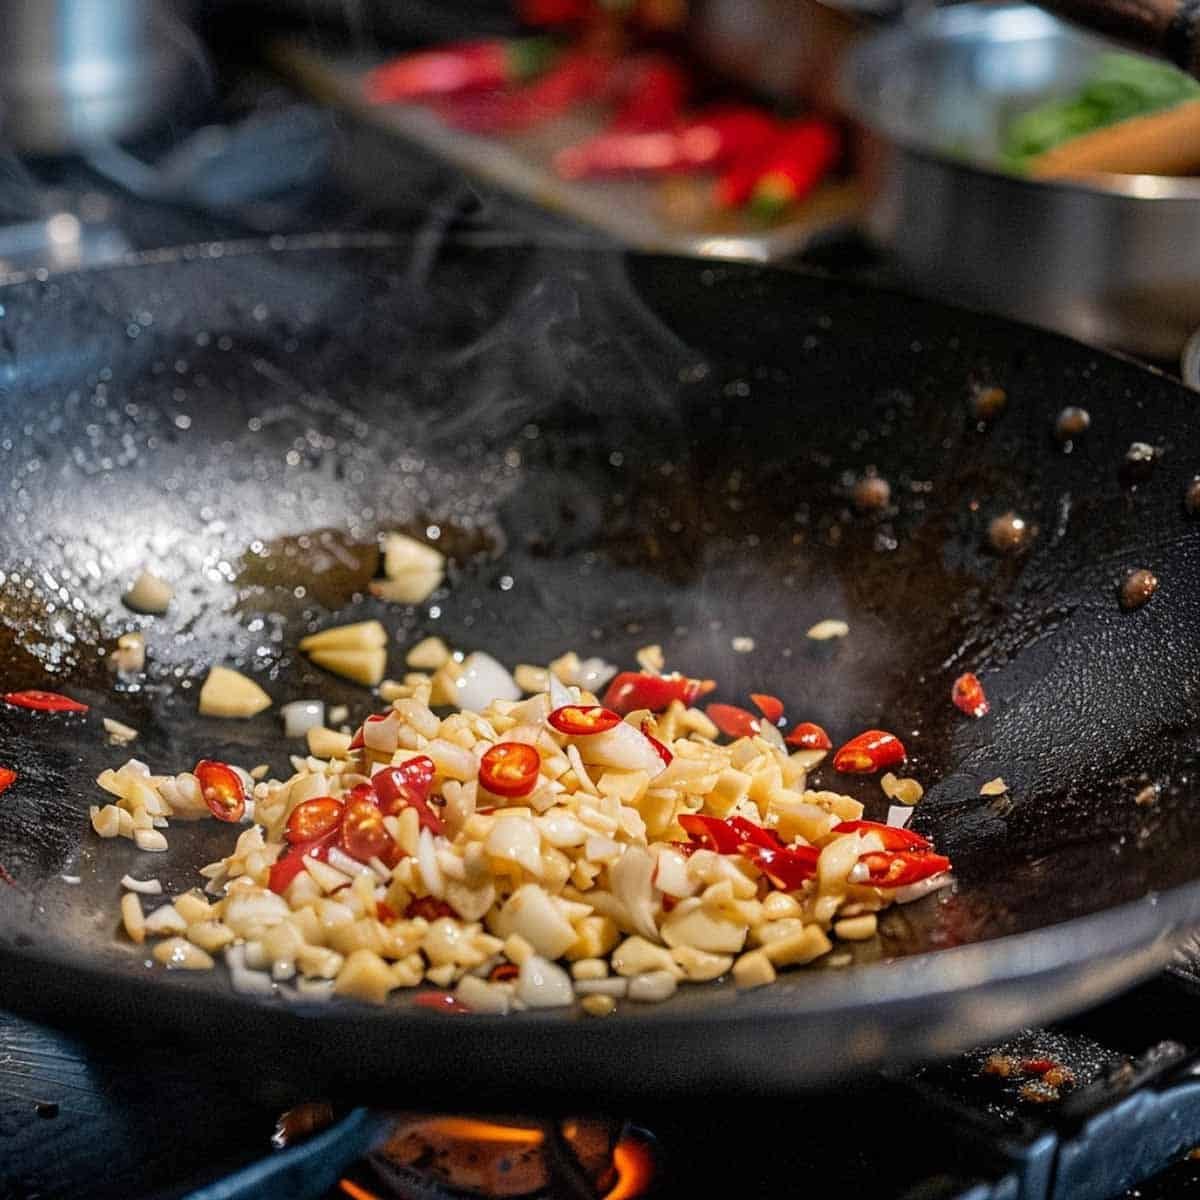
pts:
pixel 616 449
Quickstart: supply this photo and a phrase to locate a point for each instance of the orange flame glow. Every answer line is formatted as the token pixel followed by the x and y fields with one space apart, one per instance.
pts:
pixel 354 1191
pixel 468 1130
pixel 635 1169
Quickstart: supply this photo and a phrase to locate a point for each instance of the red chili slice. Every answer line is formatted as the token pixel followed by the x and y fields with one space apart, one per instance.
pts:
pixel 1038 1066
pixel 385 912
pixel 631 690
pixel 363 834
pixel 728 835
pixel 7 778
pixel 869 752
pixel 510 769
pixel 807 736
pixel 579 720
pixel 756 835
pixel 733 721
pixel 291 862
pixel 44 701
pixel 313 819
pixel 892 836
pixel 662 750
pixel 967 694
pixel 445 1002
pixel 896 868
pixel 504 971
pixel 787 867
pixel 408 786
pixel 221 787
pixel 771 707
pixel 429 907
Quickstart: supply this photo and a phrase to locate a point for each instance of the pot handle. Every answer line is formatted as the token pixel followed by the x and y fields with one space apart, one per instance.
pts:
pixel 1169 28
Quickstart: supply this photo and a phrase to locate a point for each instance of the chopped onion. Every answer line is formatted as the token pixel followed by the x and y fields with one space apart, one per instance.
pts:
pixel 899 814
pixel 530 912
pixel 623 747
pixel 302 715
pixel 594 673
pixel 915 891
pixel 145 887
pixel 560 697
pixel 542 984
pixel 341 861
pixel 254 983
pixel 630 878
pixel 483 680
pixel 427 863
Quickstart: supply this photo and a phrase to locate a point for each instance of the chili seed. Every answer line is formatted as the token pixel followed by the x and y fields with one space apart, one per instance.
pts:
pixel 871 493
pixel 1009 533
pixel 1138 587
pixel 1138 464
pixel 988 402
pixel 1072 422
pixel 1191 496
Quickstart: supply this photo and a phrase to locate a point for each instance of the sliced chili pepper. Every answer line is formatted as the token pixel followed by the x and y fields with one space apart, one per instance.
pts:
pixel 359 740
pixel 632 690
pixel 787 867
pixel 756 835
pixel 510 769
pixel 800 160
pixel 967 694
pixel 771 707
pixel 807 736
pixel 668 903
pixel 462 66
pixel 895 868
pixel 289 864
pixel 429 907
pixel 662 750
pixel 363 834
pixel 553 12
pixel 313 819
pixel 221 787
pixel 735 184
pixel 7 778
pixel 869 752
pixel 385 912
pixel 1037 1066
pixel 687 849
pixel 361 791
pixel 445 1002
pixel 503 972
pixel 408 786
pixel 892 836
pixel 706 141
pixel 656 89
pixel 581 719
pixel 710 832
pixel 44 701
pixel 733 721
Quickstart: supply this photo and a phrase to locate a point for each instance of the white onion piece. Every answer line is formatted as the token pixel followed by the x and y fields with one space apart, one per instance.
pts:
pixel 427 863
pixel 561 828
pixel 630 878
pixel 899 814
pixel 542 984
pixel 671 874
pixel 314 989
pixel 771 735
pixel 483 680
pixel 531 912
pixel 915 891
pixel 145 887
pixel 560 697
pixel 339 860
pixel 384 735
pixel 623 747
pixel 594 673
pixel 302 715
pixel 516 840
pixel 253 983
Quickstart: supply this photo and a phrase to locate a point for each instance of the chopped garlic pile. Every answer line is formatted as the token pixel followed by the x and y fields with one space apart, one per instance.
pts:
pixel 585 886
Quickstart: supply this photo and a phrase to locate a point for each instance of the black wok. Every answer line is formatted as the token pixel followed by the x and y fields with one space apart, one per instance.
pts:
pixel 616 450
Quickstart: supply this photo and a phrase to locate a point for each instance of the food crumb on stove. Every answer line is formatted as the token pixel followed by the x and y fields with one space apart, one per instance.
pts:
pixel 994 787
pixel 149 594
pixel 988 401
pixel 427 655
pixel 130 655
pixel 229 693
pixel 1138 464
pixel 650 659
pixel 1009 533
pixel 742 645
pixel 1191 496
pixel 1148 796
pixel 1039 1092
pixel 260 772
pixel 904 790
pixel 119 734
pixel 598 1005
pixel 1072 422
pixel 823 631
pixel 338 714
pixel 46 1109
pixel 357 651
pixel 413 569
pixel 872 493
pixel 1137 588
pixel 999 1064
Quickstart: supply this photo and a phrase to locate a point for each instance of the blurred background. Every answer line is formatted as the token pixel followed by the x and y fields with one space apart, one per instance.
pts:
pixel 984 153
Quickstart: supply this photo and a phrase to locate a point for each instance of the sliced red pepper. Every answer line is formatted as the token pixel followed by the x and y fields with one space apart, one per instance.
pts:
pixel 869 752
pixel 429 907
pixel 756 835
pixel 967 695
pixel 7 778
pixel 771 707
pixel 656 89
pixel 44 701
pixel 661 749
pixel 460 67
pixel 312 819
pixel 221 787
pixel 291 862
pixel 385 912
pixel 502 972
pixel 510 769
pixel 892 836
pixel 359 740
pixel 807 736
pixel 710 832
pixel 733 721
pixel 787 867
pixel 631 690
pixel 896 868
pixel 445 1002
pixel 578 720
pixel 408 786
pixel 800 160
pixel 1038 1066
pixel 734 186
pixel 363 835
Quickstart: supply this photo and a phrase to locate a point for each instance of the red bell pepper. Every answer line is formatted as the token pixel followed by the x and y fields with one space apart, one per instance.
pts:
pixel 892 836
pixel 460 67
pixel 802 158
pixel 631 690
pixel 655 92
pixel 896 868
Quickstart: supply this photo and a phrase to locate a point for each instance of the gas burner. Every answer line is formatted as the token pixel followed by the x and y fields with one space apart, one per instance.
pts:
pixel 453 1157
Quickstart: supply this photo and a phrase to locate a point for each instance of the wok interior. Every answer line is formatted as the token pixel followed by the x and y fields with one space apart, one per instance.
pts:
pixel 614 451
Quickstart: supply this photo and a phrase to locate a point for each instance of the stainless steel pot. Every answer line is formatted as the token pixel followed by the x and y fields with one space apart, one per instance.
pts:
pixel 1114 260
pixel 73 72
